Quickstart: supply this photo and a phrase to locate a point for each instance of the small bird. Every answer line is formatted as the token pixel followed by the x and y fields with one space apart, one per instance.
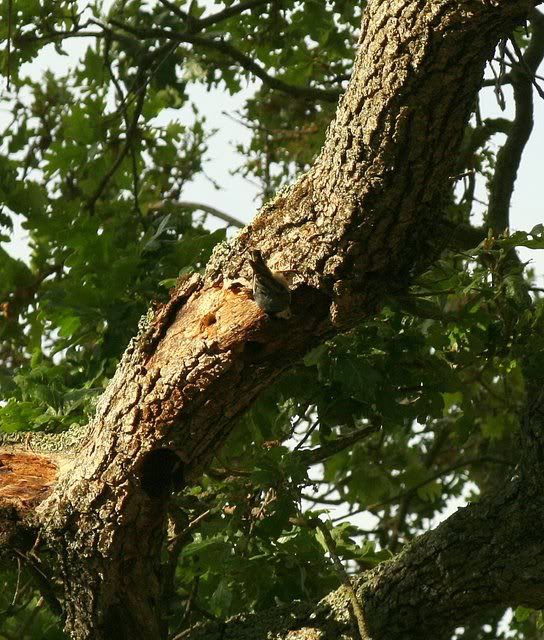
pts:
pixel 270 289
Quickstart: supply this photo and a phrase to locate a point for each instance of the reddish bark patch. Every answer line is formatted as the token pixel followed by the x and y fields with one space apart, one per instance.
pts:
pixel 25 478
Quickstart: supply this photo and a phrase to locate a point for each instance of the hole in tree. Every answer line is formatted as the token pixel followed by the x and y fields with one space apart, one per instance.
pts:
pixel 160 472
pixel 253 349
pixel 208 320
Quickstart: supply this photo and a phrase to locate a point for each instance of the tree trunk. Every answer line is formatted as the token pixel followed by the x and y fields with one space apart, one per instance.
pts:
pixel 355 228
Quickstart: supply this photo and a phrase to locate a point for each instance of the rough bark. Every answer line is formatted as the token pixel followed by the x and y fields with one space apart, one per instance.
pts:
pixel 355 228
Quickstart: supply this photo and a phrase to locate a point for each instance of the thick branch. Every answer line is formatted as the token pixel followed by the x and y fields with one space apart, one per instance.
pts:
pixel 486 555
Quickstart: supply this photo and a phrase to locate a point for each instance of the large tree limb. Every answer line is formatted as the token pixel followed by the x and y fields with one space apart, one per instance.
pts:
pixel 355 227
pixel 486 555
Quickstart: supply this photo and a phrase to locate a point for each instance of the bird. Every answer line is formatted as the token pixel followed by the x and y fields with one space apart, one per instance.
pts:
pixel 270 289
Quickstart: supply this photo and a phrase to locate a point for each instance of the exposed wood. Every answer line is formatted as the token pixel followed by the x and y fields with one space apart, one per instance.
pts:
pixel 25 478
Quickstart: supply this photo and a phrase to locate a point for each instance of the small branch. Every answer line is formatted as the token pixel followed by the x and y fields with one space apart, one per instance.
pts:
pixel 233 10
pixel 331 546
pixel 320 454
pixel 465 237
pixel 195 25
pixel 17 584
pixel 122 154
pixel 194 523
pixel 8 43
pixel 493 82
pixel 523 63
pixel 62 35
pixel 497 84
pixel 509 156
pixel 25 626
pixel 176 10
pixel 506 79
pixel 400 522
pixel 410 491
pixel 329 501
pixel 221 215
pixel 307 435
pixel 437 476
pixel 43 583
pixel 245 61
pixel 190 601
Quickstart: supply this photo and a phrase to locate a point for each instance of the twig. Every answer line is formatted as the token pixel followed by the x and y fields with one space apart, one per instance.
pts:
pixel 246 62
pixel 42 582
pixel 331 546
pixel 8 43
pixel 528 71
pixel 62 35
pixel 399 522
pixel 126 148
pixel 230 220
pixel 189 527
pixel 190 600
pixel 320 500
pixel 308 433
pixel 313 456
pixel 176 10
pixel 498 88
pixel 16 592
pixel 28 622
pixel 509 156
pixel 233 10
pixel 411 490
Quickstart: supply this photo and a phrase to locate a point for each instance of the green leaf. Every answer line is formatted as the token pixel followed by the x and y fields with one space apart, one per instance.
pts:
pixel 200 545
pixel 522 613
pixel 18 416
pixel 315 356
pixel 430 491
pixel 221 599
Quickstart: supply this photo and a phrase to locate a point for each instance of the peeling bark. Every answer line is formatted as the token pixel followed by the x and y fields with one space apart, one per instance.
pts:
pixel 355 228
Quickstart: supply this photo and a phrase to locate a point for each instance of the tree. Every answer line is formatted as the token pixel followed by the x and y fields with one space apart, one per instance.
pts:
pixel 154 497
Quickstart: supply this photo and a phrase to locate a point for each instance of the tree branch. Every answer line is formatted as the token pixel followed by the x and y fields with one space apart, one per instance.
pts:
pixel 235 54
pixel 128 145
pixel 484 556
pixel 229 12
pixel 320 454
pixel 352 229
pixel 510 154
pixel 183 15
pixel 199 206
